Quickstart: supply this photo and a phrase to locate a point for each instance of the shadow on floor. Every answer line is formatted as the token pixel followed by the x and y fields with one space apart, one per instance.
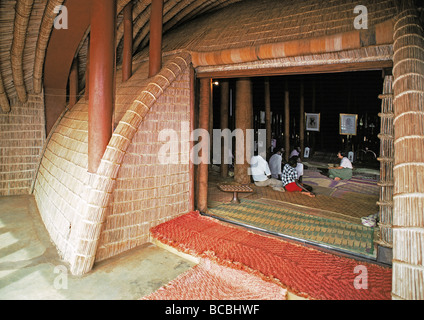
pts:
pixel 31 269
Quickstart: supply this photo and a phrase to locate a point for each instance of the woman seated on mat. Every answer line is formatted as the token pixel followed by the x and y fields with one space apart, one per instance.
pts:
pixel 344 171
pixel 289 178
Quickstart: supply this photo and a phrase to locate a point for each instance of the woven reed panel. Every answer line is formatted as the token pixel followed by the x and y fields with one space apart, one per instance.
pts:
pixel 408 200
pixel 62 184
pixel 147 192
pixel 60 189
pixel 386 164
pixel 250 23
pixel 21 143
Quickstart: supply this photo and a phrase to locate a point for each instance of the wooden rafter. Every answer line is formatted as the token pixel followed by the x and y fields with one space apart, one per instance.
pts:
pixel 42 41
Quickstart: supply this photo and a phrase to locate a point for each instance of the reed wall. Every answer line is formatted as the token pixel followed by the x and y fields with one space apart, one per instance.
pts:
pixel 408 200
pixel 148 192
pixel 21 142
pixel 95 216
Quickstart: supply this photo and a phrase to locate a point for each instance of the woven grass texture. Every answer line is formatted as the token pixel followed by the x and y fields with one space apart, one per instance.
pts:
pixel 304 271
pixel 211 281
pixel 334 233
pixel 75 205
pixel 408 199
pixel 21 144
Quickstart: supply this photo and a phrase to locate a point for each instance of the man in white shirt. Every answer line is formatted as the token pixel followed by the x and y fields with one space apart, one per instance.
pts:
pixel 275 163
pixel 261 174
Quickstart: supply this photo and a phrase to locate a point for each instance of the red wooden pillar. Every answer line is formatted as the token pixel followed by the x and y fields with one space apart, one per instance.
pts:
pixel 128 43
pixel 155 47
pixel 101 82
pixel 73 84
pixel 203 168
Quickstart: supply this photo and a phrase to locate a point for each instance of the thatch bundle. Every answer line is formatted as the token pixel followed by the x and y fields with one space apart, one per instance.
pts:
pixel 23 12
pixel 4 101
pixel 42 41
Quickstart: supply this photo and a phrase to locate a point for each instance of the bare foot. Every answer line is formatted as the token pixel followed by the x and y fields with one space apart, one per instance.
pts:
pixel 337 179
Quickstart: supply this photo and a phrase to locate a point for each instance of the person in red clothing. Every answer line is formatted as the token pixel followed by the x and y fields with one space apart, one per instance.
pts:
pixel 290 180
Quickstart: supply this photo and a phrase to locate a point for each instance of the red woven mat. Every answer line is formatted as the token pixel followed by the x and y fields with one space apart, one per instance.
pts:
pixel 211 281
pixel 304 271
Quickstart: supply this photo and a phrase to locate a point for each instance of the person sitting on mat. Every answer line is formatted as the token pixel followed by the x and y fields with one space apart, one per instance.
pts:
pixel 261 174
pixel 342 172
pixel 275 163
pixel 289 179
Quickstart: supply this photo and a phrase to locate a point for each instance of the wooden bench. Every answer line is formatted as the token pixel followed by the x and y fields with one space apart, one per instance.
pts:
pixel 235 189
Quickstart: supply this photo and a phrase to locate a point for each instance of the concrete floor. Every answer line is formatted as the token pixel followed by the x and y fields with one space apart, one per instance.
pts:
pixel 31 269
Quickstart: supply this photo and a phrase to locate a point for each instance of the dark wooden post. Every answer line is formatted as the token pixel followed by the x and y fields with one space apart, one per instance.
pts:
pixel 225 104
pixel 73 84
pixel 128 43
pixel 87 72
pixel 203 168
pixel 287 120
pixel 244 121
pixel 302 119
pixel 268 117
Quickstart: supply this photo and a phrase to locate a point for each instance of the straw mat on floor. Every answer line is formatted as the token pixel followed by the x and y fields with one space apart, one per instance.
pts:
pixel 346 207
pixel 293 222
pixel 211 281
pixel 304 271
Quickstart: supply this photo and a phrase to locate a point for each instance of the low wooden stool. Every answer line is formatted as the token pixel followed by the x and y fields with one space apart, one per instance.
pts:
pixel 235 189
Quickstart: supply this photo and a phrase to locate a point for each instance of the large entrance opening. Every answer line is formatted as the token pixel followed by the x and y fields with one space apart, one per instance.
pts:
pixel 327 95
pixel 334 219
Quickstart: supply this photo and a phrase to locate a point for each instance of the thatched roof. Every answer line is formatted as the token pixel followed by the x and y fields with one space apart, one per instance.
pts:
pixel 26 27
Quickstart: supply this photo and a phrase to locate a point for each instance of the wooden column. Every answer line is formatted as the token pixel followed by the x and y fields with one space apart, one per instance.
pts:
pixel 287 120
pixel 302 119
pixel 203 167
pixel 244 121
pixel 128 43
pixel 155 47
pixel 225 104
pixel 192 127
pixel 268 117
pixel 408 199
pixel 73 84
pixel 87 72
pixel 102 80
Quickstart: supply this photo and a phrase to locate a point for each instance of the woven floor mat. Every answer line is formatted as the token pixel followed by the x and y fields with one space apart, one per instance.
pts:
pixel 356 184
pixel 211 281
pixel 304 271
pixel 308 210
pixel 351 237
pixel 346 207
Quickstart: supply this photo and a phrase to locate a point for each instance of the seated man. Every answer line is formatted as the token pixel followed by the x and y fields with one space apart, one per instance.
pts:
pixel 342 172
pixel 275 163
pixel 261 174
pixel 289 178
